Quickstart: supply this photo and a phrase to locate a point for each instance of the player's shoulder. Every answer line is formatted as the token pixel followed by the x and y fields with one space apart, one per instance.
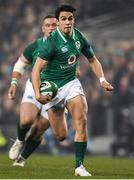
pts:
pixel 78 33
pixel 34 43
pixel 54 34
pixel 31 46
pixel 52 38
pixel 39 40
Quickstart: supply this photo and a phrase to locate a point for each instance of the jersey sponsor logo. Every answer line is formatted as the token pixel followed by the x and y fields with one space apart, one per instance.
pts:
pixel 72 59
pixel 64 49
pixel 77 44
pixel 63 67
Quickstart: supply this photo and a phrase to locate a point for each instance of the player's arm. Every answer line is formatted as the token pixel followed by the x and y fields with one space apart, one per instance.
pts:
pixel 95 64
pixel 36 81
pixel 20 67
pixel 44 56
pixel 17 73
pixel 97 69
pixel 24 60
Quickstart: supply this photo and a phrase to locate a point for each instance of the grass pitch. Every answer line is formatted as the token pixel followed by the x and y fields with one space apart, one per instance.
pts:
pixel 62 167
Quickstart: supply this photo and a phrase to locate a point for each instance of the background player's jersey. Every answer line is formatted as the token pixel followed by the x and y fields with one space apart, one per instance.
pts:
pixel 31 51
pixel 62 54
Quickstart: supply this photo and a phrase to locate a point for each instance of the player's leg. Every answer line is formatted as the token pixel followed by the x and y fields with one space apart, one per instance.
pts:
pixel 77 107
pixel 28 114
pixel 29 109
pixel 36 132
pixel 58 125
pixel 39 127
pixel 33 140
pixel 58 122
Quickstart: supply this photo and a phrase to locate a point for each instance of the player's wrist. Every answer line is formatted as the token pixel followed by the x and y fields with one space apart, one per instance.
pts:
pixel 14 81
pixel 37 95
pixel 102 79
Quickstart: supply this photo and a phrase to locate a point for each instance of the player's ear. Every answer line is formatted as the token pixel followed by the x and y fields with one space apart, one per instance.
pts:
pixel 57 22
pixel 42 28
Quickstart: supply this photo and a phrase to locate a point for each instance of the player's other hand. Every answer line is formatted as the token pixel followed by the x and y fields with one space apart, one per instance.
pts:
pixel 12 91
pixel 43 99
pixel 106 85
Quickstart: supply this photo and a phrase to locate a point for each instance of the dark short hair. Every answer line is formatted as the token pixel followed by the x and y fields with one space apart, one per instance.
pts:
pixel 47 17
pixel 67 8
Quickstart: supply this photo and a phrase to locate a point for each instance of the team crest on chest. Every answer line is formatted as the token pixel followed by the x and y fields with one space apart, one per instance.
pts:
pixel 72 59
pixel 77 44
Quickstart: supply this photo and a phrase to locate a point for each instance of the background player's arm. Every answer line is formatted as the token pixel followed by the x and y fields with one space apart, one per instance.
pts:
pixel 36 81
pixel 18 71
pixel 97 69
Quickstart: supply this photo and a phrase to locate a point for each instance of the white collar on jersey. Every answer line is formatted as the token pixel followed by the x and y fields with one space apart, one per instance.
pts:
pixel 44 39
pixel 61 35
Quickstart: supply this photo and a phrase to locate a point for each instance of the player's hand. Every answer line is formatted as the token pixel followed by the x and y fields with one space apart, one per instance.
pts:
pixel 12 91
pixel 106 85
pixel 43 99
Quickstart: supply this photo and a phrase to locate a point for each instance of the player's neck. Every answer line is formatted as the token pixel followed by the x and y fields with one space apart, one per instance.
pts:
pixel 68 34
pixel 44 38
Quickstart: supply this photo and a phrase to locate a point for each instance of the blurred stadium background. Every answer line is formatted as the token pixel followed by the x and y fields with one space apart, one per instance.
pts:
pixel 109 26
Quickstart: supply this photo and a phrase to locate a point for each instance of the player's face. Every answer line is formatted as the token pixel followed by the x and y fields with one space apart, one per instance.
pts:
pixel 48 26
pixel 66 22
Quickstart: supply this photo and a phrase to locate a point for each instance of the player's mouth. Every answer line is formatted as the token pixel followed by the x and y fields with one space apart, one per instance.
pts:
pixel 69 27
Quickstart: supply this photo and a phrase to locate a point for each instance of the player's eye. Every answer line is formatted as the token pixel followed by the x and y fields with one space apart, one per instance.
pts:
pixel 54 24
pixel 63 18
pixel 70 18
pixel 47 25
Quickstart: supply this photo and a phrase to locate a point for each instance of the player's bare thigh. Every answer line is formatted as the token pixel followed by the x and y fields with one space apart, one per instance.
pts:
pixel 28 114
pixel 58 122
pixel 77 107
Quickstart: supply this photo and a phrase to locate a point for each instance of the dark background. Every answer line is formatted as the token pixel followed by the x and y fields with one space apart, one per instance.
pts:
pixel 108 24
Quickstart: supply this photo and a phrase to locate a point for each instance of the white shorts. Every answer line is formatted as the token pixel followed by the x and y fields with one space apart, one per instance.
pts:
pixel 29 97
pixel 68 91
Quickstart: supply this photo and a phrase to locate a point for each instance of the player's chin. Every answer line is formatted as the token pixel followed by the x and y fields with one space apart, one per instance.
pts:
pixel 67 30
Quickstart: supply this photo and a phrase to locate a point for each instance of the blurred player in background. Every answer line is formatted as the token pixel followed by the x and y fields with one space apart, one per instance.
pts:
pixel 58 60
pixel 31 112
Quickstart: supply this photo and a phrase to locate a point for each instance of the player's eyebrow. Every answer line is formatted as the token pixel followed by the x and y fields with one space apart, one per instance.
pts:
pixel 66 17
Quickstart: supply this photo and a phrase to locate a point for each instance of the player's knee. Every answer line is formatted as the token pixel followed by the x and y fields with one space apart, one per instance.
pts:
pixel 25 124
pixel 44 125
pixel 26 121
pixel 60 137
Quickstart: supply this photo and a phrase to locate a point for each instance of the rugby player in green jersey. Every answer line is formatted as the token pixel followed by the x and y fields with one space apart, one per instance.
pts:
pixel 30 108
pixel 57 60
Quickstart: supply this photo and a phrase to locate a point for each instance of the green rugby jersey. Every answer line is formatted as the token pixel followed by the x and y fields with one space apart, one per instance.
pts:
pixel 62 53
pixel 31 51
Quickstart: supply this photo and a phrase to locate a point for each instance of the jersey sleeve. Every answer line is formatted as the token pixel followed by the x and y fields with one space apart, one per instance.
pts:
pixel 87 49
pixel 47 50
pixel 28 51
